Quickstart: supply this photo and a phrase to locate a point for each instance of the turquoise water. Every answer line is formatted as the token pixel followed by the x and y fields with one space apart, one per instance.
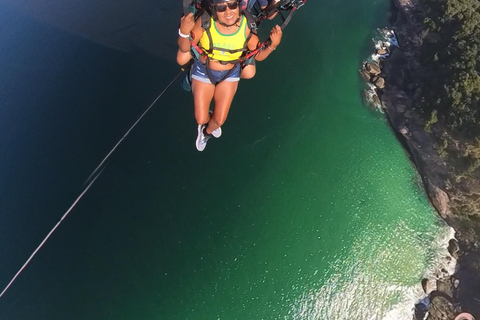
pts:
pixel 305 208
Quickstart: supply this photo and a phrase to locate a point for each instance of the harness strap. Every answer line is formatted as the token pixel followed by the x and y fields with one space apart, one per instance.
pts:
pixel 252 24
pixel 186 7
pixel 248 57
pixel 210 75
pixel 289 17
pixel 197 51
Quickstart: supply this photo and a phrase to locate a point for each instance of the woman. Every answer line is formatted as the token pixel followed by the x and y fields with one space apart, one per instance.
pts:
pixel 215 76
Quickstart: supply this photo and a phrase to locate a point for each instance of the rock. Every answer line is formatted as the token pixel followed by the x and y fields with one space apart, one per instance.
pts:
pixel 445 287
pixel 372 68
pixel 456 283
pixel 453 248
pixel 403 131
pixel 440 200
pixel 432 37
pixel 428 285
pixel 376 101
pixel 441 308
pixel 379 82
pixel 365 75
pixel 382 51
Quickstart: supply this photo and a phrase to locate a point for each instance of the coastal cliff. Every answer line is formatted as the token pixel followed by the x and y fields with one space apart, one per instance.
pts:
pixel 455 196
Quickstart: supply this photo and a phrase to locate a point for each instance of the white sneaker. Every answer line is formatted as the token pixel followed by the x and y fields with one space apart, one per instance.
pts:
pixel 217 132
pixel 202 139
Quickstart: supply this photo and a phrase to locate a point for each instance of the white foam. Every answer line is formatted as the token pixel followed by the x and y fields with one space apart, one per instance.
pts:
pixel 369 288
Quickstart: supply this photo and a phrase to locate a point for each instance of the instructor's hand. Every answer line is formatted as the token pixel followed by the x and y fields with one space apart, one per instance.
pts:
pixel 276 36
pixel 187 23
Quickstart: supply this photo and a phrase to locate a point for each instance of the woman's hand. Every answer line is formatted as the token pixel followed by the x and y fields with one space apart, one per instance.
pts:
pixel 276 36
pixel 187 23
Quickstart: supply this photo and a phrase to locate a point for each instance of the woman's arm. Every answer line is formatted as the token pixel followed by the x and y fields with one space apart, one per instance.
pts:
pixel 187 25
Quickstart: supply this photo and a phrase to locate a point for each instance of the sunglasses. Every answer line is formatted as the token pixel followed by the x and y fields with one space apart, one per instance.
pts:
pixel 223 6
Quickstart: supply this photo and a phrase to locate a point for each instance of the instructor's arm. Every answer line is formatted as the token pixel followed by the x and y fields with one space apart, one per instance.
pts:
pixel 275 37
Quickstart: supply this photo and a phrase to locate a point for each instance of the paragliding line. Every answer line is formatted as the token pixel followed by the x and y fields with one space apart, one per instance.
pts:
pixel 95 174
pixel 131 128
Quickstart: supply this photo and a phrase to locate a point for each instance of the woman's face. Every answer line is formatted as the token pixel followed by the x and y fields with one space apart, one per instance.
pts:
pixel 229 16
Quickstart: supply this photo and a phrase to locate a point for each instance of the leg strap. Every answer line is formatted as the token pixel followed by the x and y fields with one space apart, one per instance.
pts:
pixel 210 76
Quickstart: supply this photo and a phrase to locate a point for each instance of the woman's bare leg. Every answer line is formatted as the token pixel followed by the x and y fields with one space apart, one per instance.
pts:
pixel 223 96
pixel 202 97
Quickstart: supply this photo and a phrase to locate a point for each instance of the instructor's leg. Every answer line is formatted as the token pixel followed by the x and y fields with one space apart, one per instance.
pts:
pixel 248 72
pixel 223 96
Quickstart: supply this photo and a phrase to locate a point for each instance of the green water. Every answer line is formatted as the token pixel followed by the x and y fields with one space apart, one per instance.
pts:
pixel 305 208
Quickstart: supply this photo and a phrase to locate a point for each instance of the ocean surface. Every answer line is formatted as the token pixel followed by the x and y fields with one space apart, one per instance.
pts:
pixel 306 208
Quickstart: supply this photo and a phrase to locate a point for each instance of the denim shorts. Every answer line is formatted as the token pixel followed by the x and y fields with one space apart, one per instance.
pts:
pixel 199 73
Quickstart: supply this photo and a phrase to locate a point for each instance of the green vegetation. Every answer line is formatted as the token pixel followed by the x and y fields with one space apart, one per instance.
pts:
pixel 450 81
pixel 432 121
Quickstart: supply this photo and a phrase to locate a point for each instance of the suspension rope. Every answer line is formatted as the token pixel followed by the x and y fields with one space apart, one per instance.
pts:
pixel 49 234
pixel 131 128
pixel 95 174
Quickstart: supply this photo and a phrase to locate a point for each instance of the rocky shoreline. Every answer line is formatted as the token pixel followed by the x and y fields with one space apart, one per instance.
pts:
pixel 455 296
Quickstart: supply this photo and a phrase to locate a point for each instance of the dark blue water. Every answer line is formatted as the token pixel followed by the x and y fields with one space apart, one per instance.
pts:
pixel 65 101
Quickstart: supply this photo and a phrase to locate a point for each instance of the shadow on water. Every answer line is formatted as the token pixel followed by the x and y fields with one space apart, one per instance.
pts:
pixel 123 24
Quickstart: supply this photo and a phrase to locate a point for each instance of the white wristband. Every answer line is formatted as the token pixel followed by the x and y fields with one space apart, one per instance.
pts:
pixel 183 35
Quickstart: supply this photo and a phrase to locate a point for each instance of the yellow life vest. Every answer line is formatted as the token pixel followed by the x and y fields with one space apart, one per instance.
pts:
pixel 226 47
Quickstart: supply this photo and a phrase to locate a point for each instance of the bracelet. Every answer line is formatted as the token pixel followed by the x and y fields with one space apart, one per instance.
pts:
pixel 182 34
pixel 273 49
